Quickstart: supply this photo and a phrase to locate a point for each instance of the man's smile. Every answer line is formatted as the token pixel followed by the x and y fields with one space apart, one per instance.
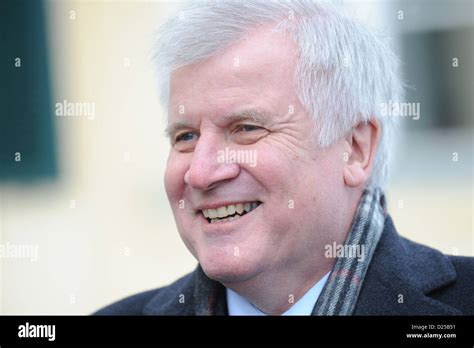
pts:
pixel 230 212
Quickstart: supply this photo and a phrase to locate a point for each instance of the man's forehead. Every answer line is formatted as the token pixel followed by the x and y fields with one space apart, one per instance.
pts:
pixel 247 80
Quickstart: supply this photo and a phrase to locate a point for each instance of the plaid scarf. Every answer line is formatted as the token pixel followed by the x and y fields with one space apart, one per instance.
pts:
pixel 341 291
pixel 342 288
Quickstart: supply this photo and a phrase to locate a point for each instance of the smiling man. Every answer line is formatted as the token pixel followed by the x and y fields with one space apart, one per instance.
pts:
pixel 297 222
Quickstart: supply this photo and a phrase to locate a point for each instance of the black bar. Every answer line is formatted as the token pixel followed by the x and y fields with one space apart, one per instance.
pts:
pixel 151 330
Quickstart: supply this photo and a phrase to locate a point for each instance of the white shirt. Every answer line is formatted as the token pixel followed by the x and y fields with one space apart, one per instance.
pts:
pixel 238 305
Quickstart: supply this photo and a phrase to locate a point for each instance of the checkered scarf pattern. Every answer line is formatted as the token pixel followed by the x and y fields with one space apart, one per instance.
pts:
pixel 339 295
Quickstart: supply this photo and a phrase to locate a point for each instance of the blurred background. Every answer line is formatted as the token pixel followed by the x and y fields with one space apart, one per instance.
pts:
pixel 84 218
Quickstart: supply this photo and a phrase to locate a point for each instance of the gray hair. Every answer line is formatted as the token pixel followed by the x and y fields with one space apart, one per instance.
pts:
pixel 344 72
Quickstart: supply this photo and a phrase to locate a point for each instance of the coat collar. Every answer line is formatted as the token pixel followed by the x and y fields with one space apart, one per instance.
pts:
pixel 399 280
pixel 195 294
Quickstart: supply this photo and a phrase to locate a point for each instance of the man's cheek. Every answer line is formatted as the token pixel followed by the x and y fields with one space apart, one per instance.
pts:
pixel 174 182
pixel 169 188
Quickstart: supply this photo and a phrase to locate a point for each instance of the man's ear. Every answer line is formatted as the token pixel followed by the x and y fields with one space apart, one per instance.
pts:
pixel 361 145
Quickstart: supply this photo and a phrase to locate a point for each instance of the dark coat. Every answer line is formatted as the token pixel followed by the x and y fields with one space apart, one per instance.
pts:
pixel 404 278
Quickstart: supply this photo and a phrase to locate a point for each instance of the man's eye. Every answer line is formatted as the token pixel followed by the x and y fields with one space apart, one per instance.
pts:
pixel 185 137
pixel 247 134
pixel 248 128
pixel 185 142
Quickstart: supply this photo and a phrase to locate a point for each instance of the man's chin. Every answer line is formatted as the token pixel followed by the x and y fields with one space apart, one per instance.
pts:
pixel 228 272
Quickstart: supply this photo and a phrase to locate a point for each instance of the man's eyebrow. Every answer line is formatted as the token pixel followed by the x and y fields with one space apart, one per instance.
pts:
pixel 256 115
pixel 174 127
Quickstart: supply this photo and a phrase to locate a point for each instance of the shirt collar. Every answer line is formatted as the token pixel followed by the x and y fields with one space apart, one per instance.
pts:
pixel 238 305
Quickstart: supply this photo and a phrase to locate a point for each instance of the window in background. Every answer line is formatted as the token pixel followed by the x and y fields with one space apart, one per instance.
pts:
pixel 26 131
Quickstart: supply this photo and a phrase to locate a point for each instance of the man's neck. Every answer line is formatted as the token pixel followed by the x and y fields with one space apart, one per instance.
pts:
pixel 274 294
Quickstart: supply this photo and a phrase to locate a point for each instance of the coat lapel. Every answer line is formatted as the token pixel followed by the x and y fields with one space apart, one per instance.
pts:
pixel 401 276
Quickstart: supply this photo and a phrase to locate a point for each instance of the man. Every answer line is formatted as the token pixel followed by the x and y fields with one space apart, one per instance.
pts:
pixel 279 157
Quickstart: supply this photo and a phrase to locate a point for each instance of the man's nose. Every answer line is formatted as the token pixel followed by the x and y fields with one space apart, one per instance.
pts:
pixel 207 168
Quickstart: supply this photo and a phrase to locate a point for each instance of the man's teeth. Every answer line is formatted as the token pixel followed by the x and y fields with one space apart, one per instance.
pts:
pixel 229 210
